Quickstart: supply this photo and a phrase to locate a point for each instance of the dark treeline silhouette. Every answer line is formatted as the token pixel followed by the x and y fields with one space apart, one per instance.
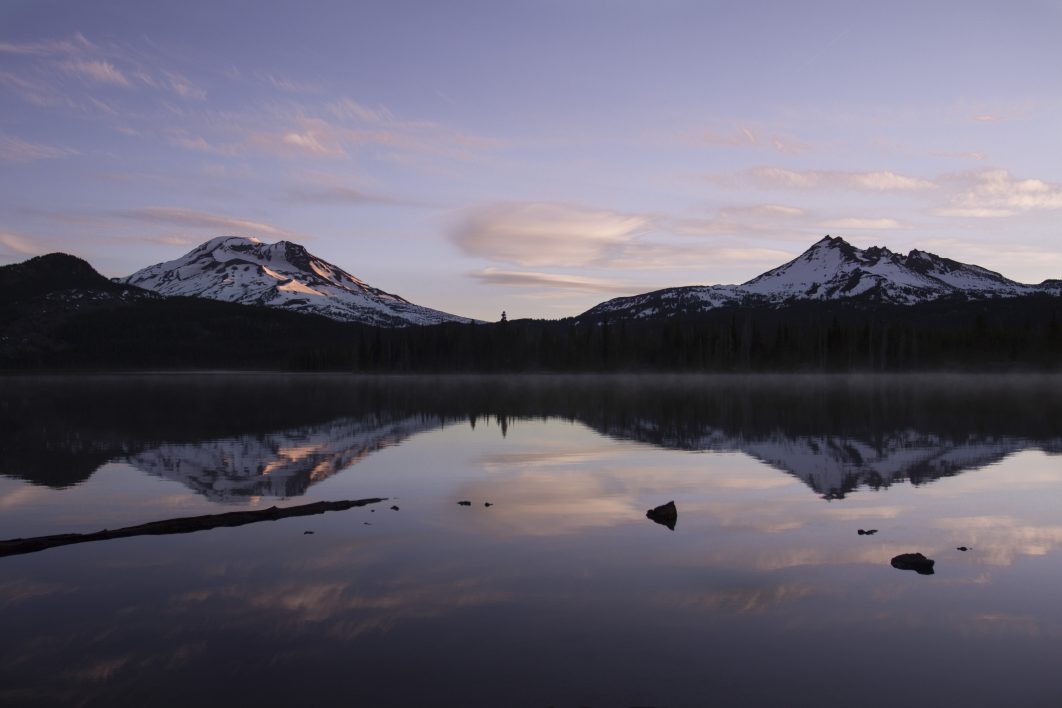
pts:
pixel 99 325
pixel 1023 333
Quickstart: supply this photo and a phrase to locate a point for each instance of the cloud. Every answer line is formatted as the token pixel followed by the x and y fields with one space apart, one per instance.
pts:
pixel 98 71
pixel 184 88
pixel 15 150
pixel 352 110
pixel 882 181
pixel 19 245
pixel 543 233
pixel 353 127
pixel 995 193
pixel 747 136
pixel 493 276
pixel 50 47
pixel 335 195
pixel 861 223
pixel 202 220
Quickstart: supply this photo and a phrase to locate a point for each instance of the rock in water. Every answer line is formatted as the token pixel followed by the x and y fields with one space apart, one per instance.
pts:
pixel 464 503
pixel 914 561
pixel 665 514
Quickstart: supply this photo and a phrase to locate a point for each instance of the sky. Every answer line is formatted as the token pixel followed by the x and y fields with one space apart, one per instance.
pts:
pixel 534 156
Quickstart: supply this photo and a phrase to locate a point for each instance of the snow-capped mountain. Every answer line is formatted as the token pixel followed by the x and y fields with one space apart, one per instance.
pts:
pixel 835 465
pixel 280 464
pixel 833 269
pixel 283 275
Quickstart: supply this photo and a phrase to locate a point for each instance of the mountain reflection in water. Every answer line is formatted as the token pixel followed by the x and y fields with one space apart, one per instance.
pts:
pixel 234 437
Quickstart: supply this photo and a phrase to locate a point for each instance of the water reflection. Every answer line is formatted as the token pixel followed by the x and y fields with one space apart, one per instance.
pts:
pixel 234 438
pixel 561 592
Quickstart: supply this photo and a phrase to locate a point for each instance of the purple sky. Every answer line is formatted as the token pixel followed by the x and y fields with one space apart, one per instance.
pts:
pixel 537 157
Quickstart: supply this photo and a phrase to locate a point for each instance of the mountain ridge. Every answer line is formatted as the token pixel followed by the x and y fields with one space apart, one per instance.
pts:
pixel 832 270
pixel 282 275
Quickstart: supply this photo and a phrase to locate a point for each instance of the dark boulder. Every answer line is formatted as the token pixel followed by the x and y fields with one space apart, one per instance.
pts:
pixel 914 561
pixel 665 514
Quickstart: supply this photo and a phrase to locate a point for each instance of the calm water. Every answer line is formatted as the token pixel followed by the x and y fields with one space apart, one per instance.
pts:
pixel 562 592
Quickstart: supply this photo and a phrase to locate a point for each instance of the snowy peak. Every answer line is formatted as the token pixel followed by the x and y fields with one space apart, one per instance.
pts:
pixel 833 269
pixel 283 275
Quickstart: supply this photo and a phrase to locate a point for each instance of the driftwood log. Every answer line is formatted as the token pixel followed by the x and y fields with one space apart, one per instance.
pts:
pixel 187 524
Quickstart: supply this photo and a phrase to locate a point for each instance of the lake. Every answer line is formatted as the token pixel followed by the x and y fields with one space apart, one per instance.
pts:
pixel 551 587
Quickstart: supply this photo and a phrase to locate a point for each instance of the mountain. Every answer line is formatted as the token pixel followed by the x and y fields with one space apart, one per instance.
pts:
pixel 276 464
pixel 833 270
pixel 60 277
pixel 283 275
pixel 56 311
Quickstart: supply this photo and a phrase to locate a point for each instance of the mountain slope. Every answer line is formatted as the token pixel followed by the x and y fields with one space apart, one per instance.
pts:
pixel 832 270
pixel 283 275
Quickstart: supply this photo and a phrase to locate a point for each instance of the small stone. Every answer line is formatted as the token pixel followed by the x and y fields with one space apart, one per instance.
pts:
pixel 394 507
pixel 307 533
pixel 366 523
pixel 962 548
pixel 488 504
pixel 464 503
pixel 861 532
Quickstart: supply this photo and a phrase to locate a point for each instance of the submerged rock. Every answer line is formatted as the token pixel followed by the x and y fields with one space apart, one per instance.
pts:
pixel 962 548
pixel 307 533
pixel 914 561
pixel 464 503
pixel 394 507
pixel 665 514
pixel 488 503
pixel 867 532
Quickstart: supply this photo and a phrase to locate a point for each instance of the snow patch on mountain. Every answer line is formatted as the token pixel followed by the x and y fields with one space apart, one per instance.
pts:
pixel 833 269
pixel 283 275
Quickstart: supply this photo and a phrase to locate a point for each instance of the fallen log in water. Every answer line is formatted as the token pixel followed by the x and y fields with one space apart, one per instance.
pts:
pixel 187 524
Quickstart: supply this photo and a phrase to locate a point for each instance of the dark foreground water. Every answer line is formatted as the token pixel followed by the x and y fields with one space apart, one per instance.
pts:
pixel 561 592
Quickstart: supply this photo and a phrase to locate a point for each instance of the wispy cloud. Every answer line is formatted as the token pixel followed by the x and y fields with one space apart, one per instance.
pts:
pixel 14 244
pixel 747 136
pixel 191 218
pixel 335 195
pixel 563 282
pixel 351 126
pixel 183 87
pixel 879 181
pixel 49 47
pixel 96 71
pixel 542 233
pixel 13 149
pixel 861 223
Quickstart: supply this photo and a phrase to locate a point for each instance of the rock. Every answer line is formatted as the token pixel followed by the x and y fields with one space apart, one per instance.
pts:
pixel 665 514
pixel 867 532
pixel 366 523
pixel 914 561
pixel 962 548
pixel 488 504
pixel 394 507
pixel 464 503
pixel 307 533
